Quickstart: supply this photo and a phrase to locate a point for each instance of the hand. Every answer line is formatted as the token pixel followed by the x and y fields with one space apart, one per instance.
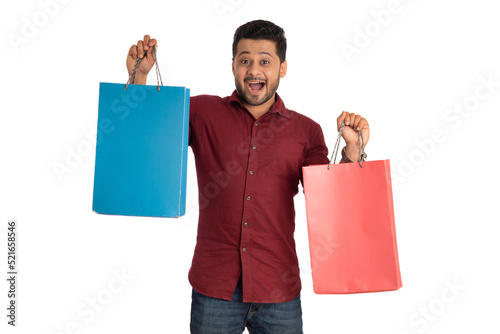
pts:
pixel 353 124
pixel 137 50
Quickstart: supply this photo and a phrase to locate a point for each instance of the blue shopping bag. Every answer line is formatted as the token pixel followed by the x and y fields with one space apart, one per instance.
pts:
pixel 141 151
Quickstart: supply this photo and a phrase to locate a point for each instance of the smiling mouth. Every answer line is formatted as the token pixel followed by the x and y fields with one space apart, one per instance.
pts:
pixel 255 86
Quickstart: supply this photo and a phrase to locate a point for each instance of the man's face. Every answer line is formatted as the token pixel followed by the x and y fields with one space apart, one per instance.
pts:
pixel 257 70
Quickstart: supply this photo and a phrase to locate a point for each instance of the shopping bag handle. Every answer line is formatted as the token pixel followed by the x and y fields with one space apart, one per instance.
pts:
pixel 136 65
pixel 361 143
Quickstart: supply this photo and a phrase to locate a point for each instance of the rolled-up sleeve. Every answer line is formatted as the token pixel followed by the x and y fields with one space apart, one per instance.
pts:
pixel 317 152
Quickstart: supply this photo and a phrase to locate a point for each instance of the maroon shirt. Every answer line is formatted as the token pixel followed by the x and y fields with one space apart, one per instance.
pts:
pixel 248 173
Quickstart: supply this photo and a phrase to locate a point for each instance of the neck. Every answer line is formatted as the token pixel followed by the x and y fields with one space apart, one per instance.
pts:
pixel 262 109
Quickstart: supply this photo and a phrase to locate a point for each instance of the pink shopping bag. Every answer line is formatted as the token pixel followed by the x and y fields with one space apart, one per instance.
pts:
pixel 352 236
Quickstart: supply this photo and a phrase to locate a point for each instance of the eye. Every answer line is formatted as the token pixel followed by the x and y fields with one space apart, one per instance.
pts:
pixel 245 61
pixel 266 62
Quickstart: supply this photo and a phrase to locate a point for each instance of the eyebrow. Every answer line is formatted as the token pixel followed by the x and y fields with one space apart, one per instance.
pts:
pixel 262 52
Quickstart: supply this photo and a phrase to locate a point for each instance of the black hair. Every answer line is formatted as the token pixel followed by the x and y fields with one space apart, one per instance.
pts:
pixel 260 29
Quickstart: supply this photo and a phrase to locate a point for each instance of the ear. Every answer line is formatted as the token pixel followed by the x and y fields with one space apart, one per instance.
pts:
pixel 283 68
pixel 232 65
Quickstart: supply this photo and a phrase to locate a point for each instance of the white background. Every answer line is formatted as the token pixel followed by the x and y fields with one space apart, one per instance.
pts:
pixel 428 57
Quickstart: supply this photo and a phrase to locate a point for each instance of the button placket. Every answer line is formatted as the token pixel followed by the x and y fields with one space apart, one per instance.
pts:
pixel 248 205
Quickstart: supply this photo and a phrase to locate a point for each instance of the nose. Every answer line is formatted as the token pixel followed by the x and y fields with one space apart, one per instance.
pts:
pixel 254 70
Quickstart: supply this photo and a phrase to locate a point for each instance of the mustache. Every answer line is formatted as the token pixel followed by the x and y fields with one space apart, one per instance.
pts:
pixel 255 79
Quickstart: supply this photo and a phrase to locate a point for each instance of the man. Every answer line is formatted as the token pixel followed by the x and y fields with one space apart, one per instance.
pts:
pixel 249 150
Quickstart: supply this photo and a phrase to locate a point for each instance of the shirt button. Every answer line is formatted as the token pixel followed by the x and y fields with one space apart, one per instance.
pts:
pixel 244 250
pixel 256 124
pixel 246 224
pixel 251 172
pixel 254 147
pixel 248 198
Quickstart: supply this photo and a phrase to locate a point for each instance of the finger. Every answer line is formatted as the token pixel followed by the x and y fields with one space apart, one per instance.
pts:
pixel 150 55
pixel 352 117
pixel 356 121
pixel 133 51
pixel 363 124
pixel 341 118
pixel 140 49
pixel 347 118
pixel 364 129
pixel 146 42
pixel 151 45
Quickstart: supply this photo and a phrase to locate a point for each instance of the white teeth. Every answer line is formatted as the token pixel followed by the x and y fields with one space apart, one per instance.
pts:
pixel 255 82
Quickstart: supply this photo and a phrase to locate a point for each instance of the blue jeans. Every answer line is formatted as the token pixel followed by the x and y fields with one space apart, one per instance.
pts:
pixel 217 316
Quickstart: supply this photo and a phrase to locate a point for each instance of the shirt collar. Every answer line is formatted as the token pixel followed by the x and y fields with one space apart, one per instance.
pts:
pixel 277 107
